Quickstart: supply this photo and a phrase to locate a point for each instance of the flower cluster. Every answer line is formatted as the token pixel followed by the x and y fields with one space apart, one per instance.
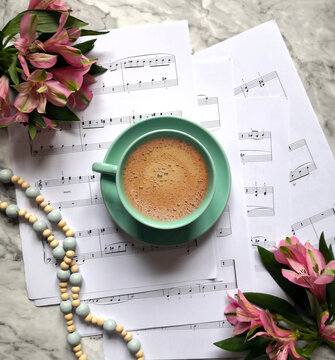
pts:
pixel 44 67
pixel 267 324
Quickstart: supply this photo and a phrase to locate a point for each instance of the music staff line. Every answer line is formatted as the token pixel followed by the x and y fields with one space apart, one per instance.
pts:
pixel 258 82
pixel 70 180
pixel 209 101
pixel 259 240
pixel 198 288
pixel 255 210
pixel 305 167
pixel 223 231
pixel 256 155
pixel 43 150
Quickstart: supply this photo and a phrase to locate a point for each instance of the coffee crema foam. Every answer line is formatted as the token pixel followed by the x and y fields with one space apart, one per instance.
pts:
pixel 165 178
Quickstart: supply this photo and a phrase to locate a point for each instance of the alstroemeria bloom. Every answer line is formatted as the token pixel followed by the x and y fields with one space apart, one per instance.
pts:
pixel 37 90
pixel 284 340
pixel 242 314
pixel 27 45
pixel 5 107
pixel 81 98
pixel 48 5
pixel 308 265
pixel 326 331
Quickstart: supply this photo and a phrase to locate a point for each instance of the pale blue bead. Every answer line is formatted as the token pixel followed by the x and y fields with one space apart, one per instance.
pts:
pixel 134 345
pixel 69 243
pixel 109 326
pixel 54 216
pixel 76 279
pixel 32 192
pixel 5 176
pixel 65 306
pixel 82 310
pixel 63 275
pixel 39 226
pixel 58 252
pixel 12 210
pixel 73 338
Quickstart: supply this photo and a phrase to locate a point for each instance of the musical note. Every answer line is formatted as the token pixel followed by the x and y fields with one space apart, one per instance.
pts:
pixel 209 110
pixel 262 202
pixel 258 146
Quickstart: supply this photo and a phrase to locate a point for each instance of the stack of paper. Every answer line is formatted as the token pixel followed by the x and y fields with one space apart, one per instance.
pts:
pixel 244 90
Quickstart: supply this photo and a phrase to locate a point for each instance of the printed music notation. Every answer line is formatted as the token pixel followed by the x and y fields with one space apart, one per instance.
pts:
pixel 209 111
pixel 224 228
pixel 38 149
pixel 93 200
pixel 316 224
pixel 196 326
pixel 145 72
pixel 268 84
pixel 260 201
pixel 301 160
pixel 257 146
pixel 70 180
pixel 259 240
pixel 201 288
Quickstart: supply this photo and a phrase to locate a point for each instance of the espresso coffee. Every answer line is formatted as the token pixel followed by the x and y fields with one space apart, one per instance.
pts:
pixel 165 178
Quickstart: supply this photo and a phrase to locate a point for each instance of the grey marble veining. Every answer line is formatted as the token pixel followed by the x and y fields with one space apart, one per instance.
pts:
pixel 27 332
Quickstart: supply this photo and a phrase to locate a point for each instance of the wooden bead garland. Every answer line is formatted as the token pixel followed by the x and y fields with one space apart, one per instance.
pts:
pixel 68 275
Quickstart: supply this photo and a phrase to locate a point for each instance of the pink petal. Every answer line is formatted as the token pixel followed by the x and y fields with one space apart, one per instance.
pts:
pixel 47 5
pixel 22 45
pixel 49 123
pixel 72 55
pixel 26 102
pixel 315 260
pixel 42 104
pixel 70 76
pixel 24 87
pixel 73 34
pixel 41 60
pixel 23 64
pixel 5 121
pixel 4 87
pixel 39 76
pixel 240 328
pixel 57 93
pixel 296 278
pixel 81 98
pixel 28 27
pixel 20 117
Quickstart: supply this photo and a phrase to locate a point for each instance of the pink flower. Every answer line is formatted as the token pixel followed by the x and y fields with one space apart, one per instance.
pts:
pixel 27 45
pixel 326 331
pixel 34 93
pixel 48 5
pixel 5 107
pixel 284 343
pixel 308 266
pixel 242 314
pixel 71 76
pixel 81 98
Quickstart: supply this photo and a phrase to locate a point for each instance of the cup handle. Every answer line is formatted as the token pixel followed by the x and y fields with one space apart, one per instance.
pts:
pixel 104 168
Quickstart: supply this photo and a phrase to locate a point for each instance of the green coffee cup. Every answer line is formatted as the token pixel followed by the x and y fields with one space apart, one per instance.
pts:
pixel 116 170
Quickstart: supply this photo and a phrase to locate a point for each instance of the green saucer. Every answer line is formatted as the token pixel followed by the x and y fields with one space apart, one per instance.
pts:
pixel 188 232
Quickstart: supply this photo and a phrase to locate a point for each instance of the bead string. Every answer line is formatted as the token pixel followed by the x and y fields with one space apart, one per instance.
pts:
pixel 68 274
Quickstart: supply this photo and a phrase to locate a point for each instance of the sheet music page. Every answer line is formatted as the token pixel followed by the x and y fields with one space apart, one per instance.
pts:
pixel 201 306
pixel 149 73
pixel 263 67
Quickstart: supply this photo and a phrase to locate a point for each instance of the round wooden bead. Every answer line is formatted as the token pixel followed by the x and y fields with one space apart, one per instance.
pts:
pixel 70 253
pixel 63 284
pixel 74 268
pixel 88 318
pixel 82 310
pixel 12 211
pixel 14 179
pixel 73 338
pixel 27 216
pixel 62 223
pixel 71 328
pixel 70 322
pixel 100 321
pixel 64 265
pixel 25 185
pixel 63 275
pixel 75 289
pixel 46 233
pixel 68 316
pixel 5 176
pixel 140 358
pixel 69 233
pixel 128 337
pixel 94 320
pixel 32 192
pixel 32 219
pixel 55 216
pixel 75 296
pixel 134 345
pixel 65 296
pixel 66 228
pixel 76 279
pixel 51 238
pixel 67 260
pixel 43 204
pixel 123 333
pixel 109 325
pixel 3 205
pixel 69 243
pixel 75 303
pixel 22 212
pixel 20 181
pixel 119 328
pixel 39 199
pixel 83 357
pixel 65 306
pixel 78 353
pixel 139 354
pixel 54 243
pixel 39 226
pixel 48 209
pixel 63 290
pixel 58 252
pixel 76 348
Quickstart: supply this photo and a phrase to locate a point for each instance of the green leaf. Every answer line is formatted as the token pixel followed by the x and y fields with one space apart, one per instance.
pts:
pixel 58 113
pixel 295 292
pixel 323 248
pixel 330 343
pixel 97 69
pixel 48 22
pixel 32 129
pixel 276 305
pixel 330 296
pixel 307 350
pixel 85 46
pixel 85 32
pixel 12 69
pixel 37 119
pixel 257 351
pixel 239 343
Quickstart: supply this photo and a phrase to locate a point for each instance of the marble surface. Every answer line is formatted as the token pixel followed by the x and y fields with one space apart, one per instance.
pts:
pixel 27 332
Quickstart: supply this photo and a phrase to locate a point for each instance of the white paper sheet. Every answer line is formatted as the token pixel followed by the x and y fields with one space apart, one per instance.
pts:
pixel 149 73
